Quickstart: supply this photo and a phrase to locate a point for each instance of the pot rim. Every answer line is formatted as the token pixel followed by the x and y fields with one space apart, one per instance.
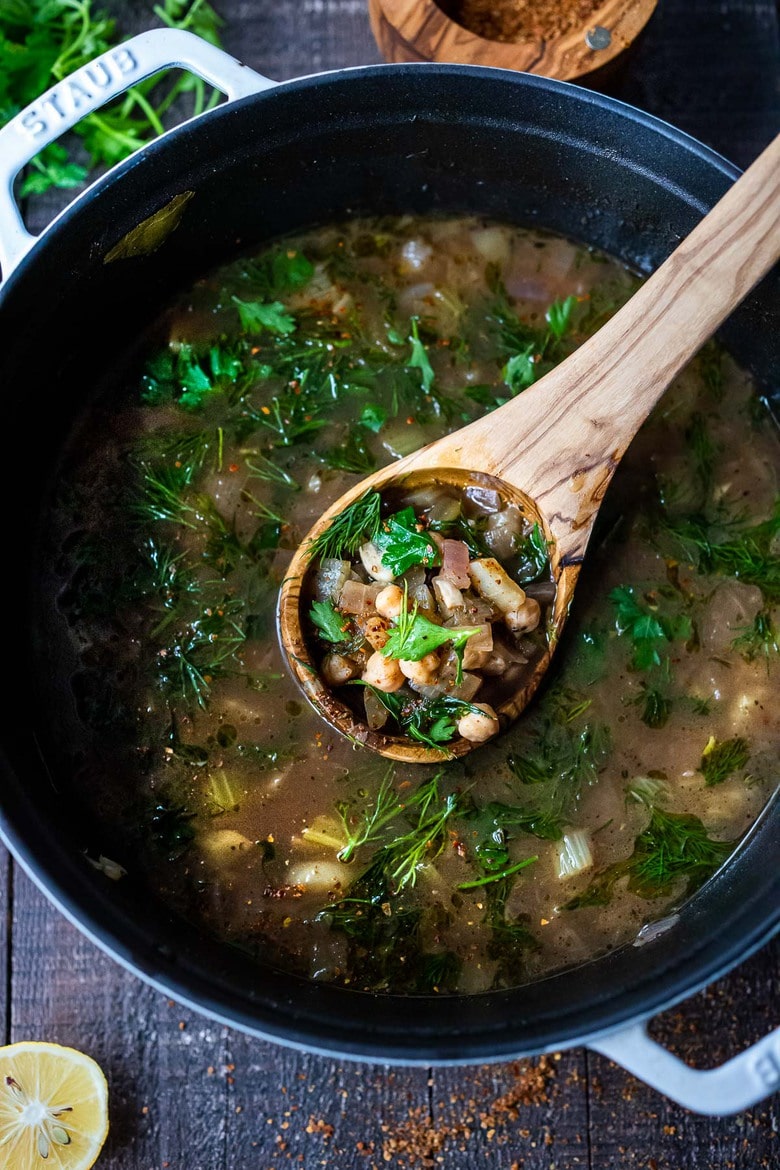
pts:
pixel 86 902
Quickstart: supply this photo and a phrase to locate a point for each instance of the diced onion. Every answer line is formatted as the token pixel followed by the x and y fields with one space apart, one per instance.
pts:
pixel 330 578
pixel 355 597
pixel 574 855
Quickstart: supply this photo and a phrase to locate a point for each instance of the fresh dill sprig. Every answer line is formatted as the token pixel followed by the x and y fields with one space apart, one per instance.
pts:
pixel 720 759
pixel 260 467
pixel 357 524
pixel 385 807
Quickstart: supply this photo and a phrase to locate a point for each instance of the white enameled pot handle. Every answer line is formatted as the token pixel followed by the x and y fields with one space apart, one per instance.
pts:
pixel 736 1085
pixel 89 88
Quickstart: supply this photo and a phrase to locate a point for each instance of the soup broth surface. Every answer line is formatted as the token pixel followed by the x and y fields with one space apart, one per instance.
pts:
pixel 257 399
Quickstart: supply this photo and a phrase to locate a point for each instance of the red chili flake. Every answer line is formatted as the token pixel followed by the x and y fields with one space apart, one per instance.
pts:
pixel 410 420
pixel 233 467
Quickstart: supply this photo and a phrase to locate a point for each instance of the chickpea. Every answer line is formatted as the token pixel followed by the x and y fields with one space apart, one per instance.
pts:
pixel 372 563
pixel 525 618
pixel 424 672
pixel 479 727
pixel 383 673
pixel 390 602
pixel 337 670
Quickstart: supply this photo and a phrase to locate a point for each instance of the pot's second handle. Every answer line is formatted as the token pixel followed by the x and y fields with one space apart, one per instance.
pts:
pixel 736 1085
pixel 89 88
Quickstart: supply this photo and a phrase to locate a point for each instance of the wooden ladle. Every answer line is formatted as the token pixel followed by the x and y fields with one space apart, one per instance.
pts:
pixel 555 447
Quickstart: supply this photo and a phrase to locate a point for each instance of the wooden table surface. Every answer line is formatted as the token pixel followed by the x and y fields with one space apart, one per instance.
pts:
pixel 190 1094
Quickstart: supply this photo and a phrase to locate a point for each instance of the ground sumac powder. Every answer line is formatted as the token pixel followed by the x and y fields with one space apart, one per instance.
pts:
pixel 520 20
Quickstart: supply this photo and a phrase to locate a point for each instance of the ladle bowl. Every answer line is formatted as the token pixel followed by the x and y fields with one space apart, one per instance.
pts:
pixel 554 448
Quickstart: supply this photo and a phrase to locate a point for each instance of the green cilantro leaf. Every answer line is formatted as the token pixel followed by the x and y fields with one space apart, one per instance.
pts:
pixel 256 316
pixel 373 417
pixel 401 545
pixel 330 623
pixel 520 371
pixel 415 635
pixel 559 316
pixel 419 359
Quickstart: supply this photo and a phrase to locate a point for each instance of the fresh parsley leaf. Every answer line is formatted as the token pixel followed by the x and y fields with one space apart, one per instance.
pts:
pixel 415 635
pixel 42 41
pixel 520 371
pixel 256 316
pixel 328 620
pixel 401 545
pixel 648 630
pixel 721 759
pixel 419 358
pixel 558 316
pixel 761 638
pixel 373 417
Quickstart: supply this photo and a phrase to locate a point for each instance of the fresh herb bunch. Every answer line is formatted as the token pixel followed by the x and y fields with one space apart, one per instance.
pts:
pixel 42 41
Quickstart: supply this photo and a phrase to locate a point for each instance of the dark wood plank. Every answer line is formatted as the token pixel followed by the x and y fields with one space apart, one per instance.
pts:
pixel 5 918
pixel 164 1101
pixel 633 1126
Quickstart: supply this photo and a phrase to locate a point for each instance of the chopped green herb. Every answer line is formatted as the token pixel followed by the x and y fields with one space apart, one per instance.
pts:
pixel 256 316
pixel 759 639
pixel 373 417
pixel 419 359
pixel 721 759
pixel 497 877
pixel 330 623
pixel 558 316
pixel 647 629
pixel 415 635
pixel 346 532
pixel 533 556
pixel 402 545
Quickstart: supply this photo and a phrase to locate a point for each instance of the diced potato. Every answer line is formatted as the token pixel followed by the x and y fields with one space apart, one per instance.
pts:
pixel 448 597
pixel 493 583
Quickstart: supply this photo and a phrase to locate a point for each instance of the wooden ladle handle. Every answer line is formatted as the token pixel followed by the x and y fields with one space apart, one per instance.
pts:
pixel 579 420
pixel 561 440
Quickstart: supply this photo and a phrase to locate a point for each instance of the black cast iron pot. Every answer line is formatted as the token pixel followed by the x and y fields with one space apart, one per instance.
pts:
pixel 429 138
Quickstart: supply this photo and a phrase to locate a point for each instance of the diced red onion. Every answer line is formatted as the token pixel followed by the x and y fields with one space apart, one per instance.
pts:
pixel 358 598
pixel 455 563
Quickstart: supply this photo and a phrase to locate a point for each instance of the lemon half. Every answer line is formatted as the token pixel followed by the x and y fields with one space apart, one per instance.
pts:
pixel 53 1108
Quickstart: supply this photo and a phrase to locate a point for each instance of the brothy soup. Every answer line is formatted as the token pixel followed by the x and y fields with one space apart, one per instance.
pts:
pixel 262 394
